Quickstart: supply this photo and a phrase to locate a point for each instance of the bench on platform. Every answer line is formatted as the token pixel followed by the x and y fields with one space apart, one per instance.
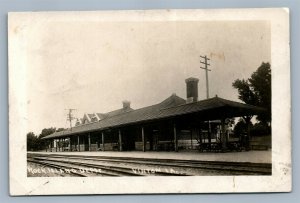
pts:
pixel 258 146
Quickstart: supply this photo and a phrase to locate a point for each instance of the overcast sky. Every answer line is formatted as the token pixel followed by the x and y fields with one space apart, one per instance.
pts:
pixel 94 66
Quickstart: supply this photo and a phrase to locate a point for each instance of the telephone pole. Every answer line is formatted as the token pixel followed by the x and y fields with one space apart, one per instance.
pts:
pixel 70 117
pixel 206 64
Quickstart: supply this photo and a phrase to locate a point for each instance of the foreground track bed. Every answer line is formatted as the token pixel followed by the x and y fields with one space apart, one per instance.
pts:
pixel 86 166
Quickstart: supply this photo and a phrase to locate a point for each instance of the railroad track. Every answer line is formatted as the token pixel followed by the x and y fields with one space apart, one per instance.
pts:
pixel 91 169
pixel 129 166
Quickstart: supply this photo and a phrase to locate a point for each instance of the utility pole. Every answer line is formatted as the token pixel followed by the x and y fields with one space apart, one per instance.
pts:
pixel 70 117
pixel 206 64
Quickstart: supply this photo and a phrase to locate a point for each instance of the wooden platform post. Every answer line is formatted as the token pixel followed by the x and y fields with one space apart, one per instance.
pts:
pixel 192 138
pixel 223 135
pixel 209 134
pixel 199 134
pixel 78 143
pixel 70 143
pixel 120 141
pixel 248 136
pixel 89 137
pixel 63 142
pixel 103 144
pixel 60 145
pixel 143 139
pixel 175 139
pixel 83 143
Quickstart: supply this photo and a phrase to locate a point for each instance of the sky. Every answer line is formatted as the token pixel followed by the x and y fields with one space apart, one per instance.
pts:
pixel 93 66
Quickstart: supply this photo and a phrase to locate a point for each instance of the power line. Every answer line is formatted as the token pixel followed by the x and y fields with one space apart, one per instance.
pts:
pixel 205 62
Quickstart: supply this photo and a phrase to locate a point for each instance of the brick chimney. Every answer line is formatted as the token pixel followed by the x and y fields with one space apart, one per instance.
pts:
pixel 126 104
pixel 191 90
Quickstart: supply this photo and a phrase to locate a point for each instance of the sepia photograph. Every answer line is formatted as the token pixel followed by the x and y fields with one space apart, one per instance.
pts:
pixel 186 97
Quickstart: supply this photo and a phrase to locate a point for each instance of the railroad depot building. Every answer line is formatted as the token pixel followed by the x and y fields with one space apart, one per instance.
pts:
pixel 172 125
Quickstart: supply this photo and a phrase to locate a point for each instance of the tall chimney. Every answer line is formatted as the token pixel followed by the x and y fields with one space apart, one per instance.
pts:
pixel 126 104
pixel 191 89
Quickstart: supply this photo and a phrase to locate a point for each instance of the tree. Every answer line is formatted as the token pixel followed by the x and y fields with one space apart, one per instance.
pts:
pixel 35 143
pixel 259 129
pixel 257 91
pixel 43 143
pixel 240 128
pixel 60 129
pixel 47 131
pixel 32 142
pixel 261 83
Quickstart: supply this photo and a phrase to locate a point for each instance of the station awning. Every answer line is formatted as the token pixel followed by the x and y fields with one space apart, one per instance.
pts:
pixel 213 108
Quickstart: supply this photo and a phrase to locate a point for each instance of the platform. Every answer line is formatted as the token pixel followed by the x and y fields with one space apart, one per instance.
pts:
pixel 245 156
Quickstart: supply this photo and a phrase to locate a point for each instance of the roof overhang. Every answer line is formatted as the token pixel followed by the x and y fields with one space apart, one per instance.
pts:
pixel 209 109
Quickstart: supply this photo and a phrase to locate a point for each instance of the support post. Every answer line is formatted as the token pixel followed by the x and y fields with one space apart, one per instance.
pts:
pixel 103 144
pixel 78 143
pixel 175 139
pixel 89 137
pixel 143 139
pixel 55 145
pixel 192 138
pixel 223 135
pixel 70 144
pixel 120 141
pixel 209 135
pixel 83 143
pixel 199 131
pixel 248 135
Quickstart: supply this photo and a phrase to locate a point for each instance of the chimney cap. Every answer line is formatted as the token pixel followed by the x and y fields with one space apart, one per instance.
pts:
pixel 126 104
pixel 191 79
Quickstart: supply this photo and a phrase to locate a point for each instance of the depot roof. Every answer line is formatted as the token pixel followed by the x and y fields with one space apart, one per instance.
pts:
pixel 173 106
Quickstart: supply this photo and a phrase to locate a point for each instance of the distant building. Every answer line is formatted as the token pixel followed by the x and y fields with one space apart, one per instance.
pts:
pixel 171 125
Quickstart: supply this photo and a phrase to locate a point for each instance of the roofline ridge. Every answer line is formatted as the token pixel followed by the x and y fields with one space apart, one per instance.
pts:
pixel 133 110
pixel 243 103
pixel 189 103
pixel 105 118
